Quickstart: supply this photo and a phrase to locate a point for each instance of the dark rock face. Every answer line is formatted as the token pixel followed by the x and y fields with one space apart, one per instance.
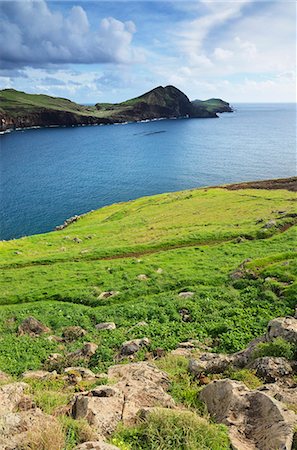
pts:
pixel 161 102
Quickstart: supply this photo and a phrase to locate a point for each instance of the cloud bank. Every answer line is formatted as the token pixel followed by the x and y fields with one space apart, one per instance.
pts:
pixel 33 35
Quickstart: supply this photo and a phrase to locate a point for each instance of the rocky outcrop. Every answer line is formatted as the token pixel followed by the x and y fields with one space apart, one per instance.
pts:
pixel 271 369
pixel 73 333
pixel 128 348
pixel 138 385
pixel 210 363
pixel 284 327
pixel 255 420
pixel 32 327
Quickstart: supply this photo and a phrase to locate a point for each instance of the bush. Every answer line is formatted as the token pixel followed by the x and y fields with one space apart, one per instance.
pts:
pixel 166 429
pixel 45 436
pixel 277 347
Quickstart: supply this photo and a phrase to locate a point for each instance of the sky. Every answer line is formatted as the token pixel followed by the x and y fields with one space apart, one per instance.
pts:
pixel 109 51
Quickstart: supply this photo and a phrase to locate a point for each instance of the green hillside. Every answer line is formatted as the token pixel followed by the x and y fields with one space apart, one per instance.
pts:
pixel 184 241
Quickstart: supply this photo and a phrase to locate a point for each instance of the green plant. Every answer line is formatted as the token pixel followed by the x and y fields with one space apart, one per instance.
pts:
pixel 277 347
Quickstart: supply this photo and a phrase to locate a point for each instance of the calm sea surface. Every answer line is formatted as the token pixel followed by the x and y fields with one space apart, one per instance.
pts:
pixel 48 175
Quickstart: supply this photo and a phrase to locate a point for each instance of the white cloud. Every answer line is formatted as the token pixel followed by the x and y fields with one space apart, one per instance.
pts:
pixel 35 35
pixel 222 54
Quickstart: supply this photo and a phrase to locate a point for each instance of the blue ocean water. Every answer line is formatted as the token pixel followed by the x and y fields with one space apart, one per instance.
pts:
pixel 48 175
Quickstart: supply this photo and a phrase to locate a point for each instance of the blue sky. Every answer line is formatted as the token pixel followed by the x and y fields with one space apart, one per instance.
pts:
pixel 92 51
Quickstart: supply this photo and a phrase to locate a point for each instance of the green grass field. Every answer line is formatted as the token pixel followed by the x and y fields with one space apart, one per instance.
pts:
pixel 198 238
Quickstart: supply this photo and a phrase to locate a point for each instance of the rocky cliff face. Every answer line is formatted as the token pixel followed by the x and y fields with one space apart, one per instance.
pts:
pixel 21 110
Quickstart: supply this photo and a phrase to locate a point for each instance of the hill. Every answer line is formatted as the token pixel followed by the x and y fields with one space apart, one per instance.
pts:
pixel 21 110
pixel 207 267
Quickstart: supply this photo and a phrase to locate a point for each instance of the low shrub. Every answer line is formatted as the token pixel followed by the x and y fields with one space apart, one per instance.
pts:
pixel 277 347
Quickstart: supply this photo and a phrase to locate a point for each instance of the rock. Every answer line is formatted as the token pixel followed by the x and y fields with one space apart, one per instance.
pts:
pixel 255 420
pixel 88 350
pixel 139 324
pixel 73 333
pixel 284 327
pixel 187 294
pixel 270 224
pixel 286 394
pixel 244 357
pixel 142 277
pixel 4 377
pixel 32 327
pixel 53 338
pixel 39 374
pixel 54 358
pixel 108 294
pixel 96 445
pixel 86 374
pixel 185 315
pixel 210 363
pixel 159 271
pixel 271 369
pixel 102 408
pixel 106 326
pixel 77 240
pixel 133 346
pixel 143 385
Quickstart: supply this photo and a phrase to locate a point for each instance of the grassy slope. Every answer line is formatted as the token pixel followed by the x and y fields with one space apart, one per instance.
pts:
pixel 191 235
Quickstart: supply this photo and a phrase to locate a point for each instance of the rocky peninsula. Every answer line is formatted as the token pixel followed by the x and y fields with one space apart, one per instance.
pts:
pixel 22 110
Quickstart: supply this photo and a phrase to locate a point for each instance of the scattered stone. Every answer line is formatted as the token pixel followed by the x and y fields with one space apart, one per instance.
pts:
pixel 53 338
pixel 186 294
pixel 271 369
pixel 68 222
pixel 73 333
pixel 158 353
pixel 96 445
pixel 102 407
pixel 77 240
pixel 17 253
pixel 185 315
pixel 40 374
pixel 106 326
pixel 88 350
pixel 86 374
pixel 133 346
pixel 108 294
pixel 284 327
pixel 32 327
pixel 255 420
pixel 159 271
pixel 142 277
pixel 210 363
pixel 270 224
pixel 55 358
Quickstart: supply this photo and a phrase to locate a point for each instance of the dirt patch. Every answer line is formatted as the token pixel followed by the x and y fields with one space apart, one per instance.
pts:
pixel 290 184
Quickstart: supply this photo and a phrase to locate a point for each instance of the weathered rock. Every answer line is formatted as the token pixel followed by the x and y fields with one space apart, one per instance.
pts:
pixel 77 240
pixel 106 326
pixel 143 385
pixel 40 374
pixel 256 420
pixel 185 315
pixel 270 224
pixel 88 350
pixel 271 369
pixel 284 327
pixel 55 358
pixel 210 363
pixel 142 277
pixel 86 374
pixel 53 338
pixel 32 327
pixel 108 294
pixel 186 294
pixel 102 408
pixel 96 445
pixel 244 357
pixel 159 270
pixel 133 346
pixel 4 377
pixel 73 333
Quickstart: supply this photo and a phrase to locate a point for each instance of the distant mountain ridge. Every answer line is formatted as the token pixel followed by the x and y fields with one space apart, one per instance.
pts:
pixel 22 110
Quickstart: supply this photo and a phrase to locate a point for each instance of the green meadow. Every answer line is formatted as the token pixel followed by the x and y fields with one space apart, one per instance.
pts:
pixel 197 240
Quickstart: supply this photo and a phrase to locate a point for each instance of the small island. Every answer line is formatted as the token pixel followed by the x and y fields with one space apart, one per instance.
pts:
pixel 22 110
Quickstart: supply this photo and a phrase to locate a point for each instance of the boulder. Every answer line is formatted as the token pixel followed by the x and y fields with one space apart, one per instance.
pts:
pixel 40 374
pixel 85 374
pixel 73 333
pixel 130 347
pixel 88 350
pixel 186 294
pixel 96 445
pixel 108 294
pixel 284 327
pixel 271 369
pixel 32 327
pixel 210 363
pixel 244 357
pixel 106 326
pixel 255 420
pixel 285 393
pixel 102 407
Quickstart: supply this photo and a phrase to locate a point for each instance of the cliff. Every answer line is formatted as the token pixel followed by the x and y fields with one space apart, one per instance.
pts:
pixel 22 110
